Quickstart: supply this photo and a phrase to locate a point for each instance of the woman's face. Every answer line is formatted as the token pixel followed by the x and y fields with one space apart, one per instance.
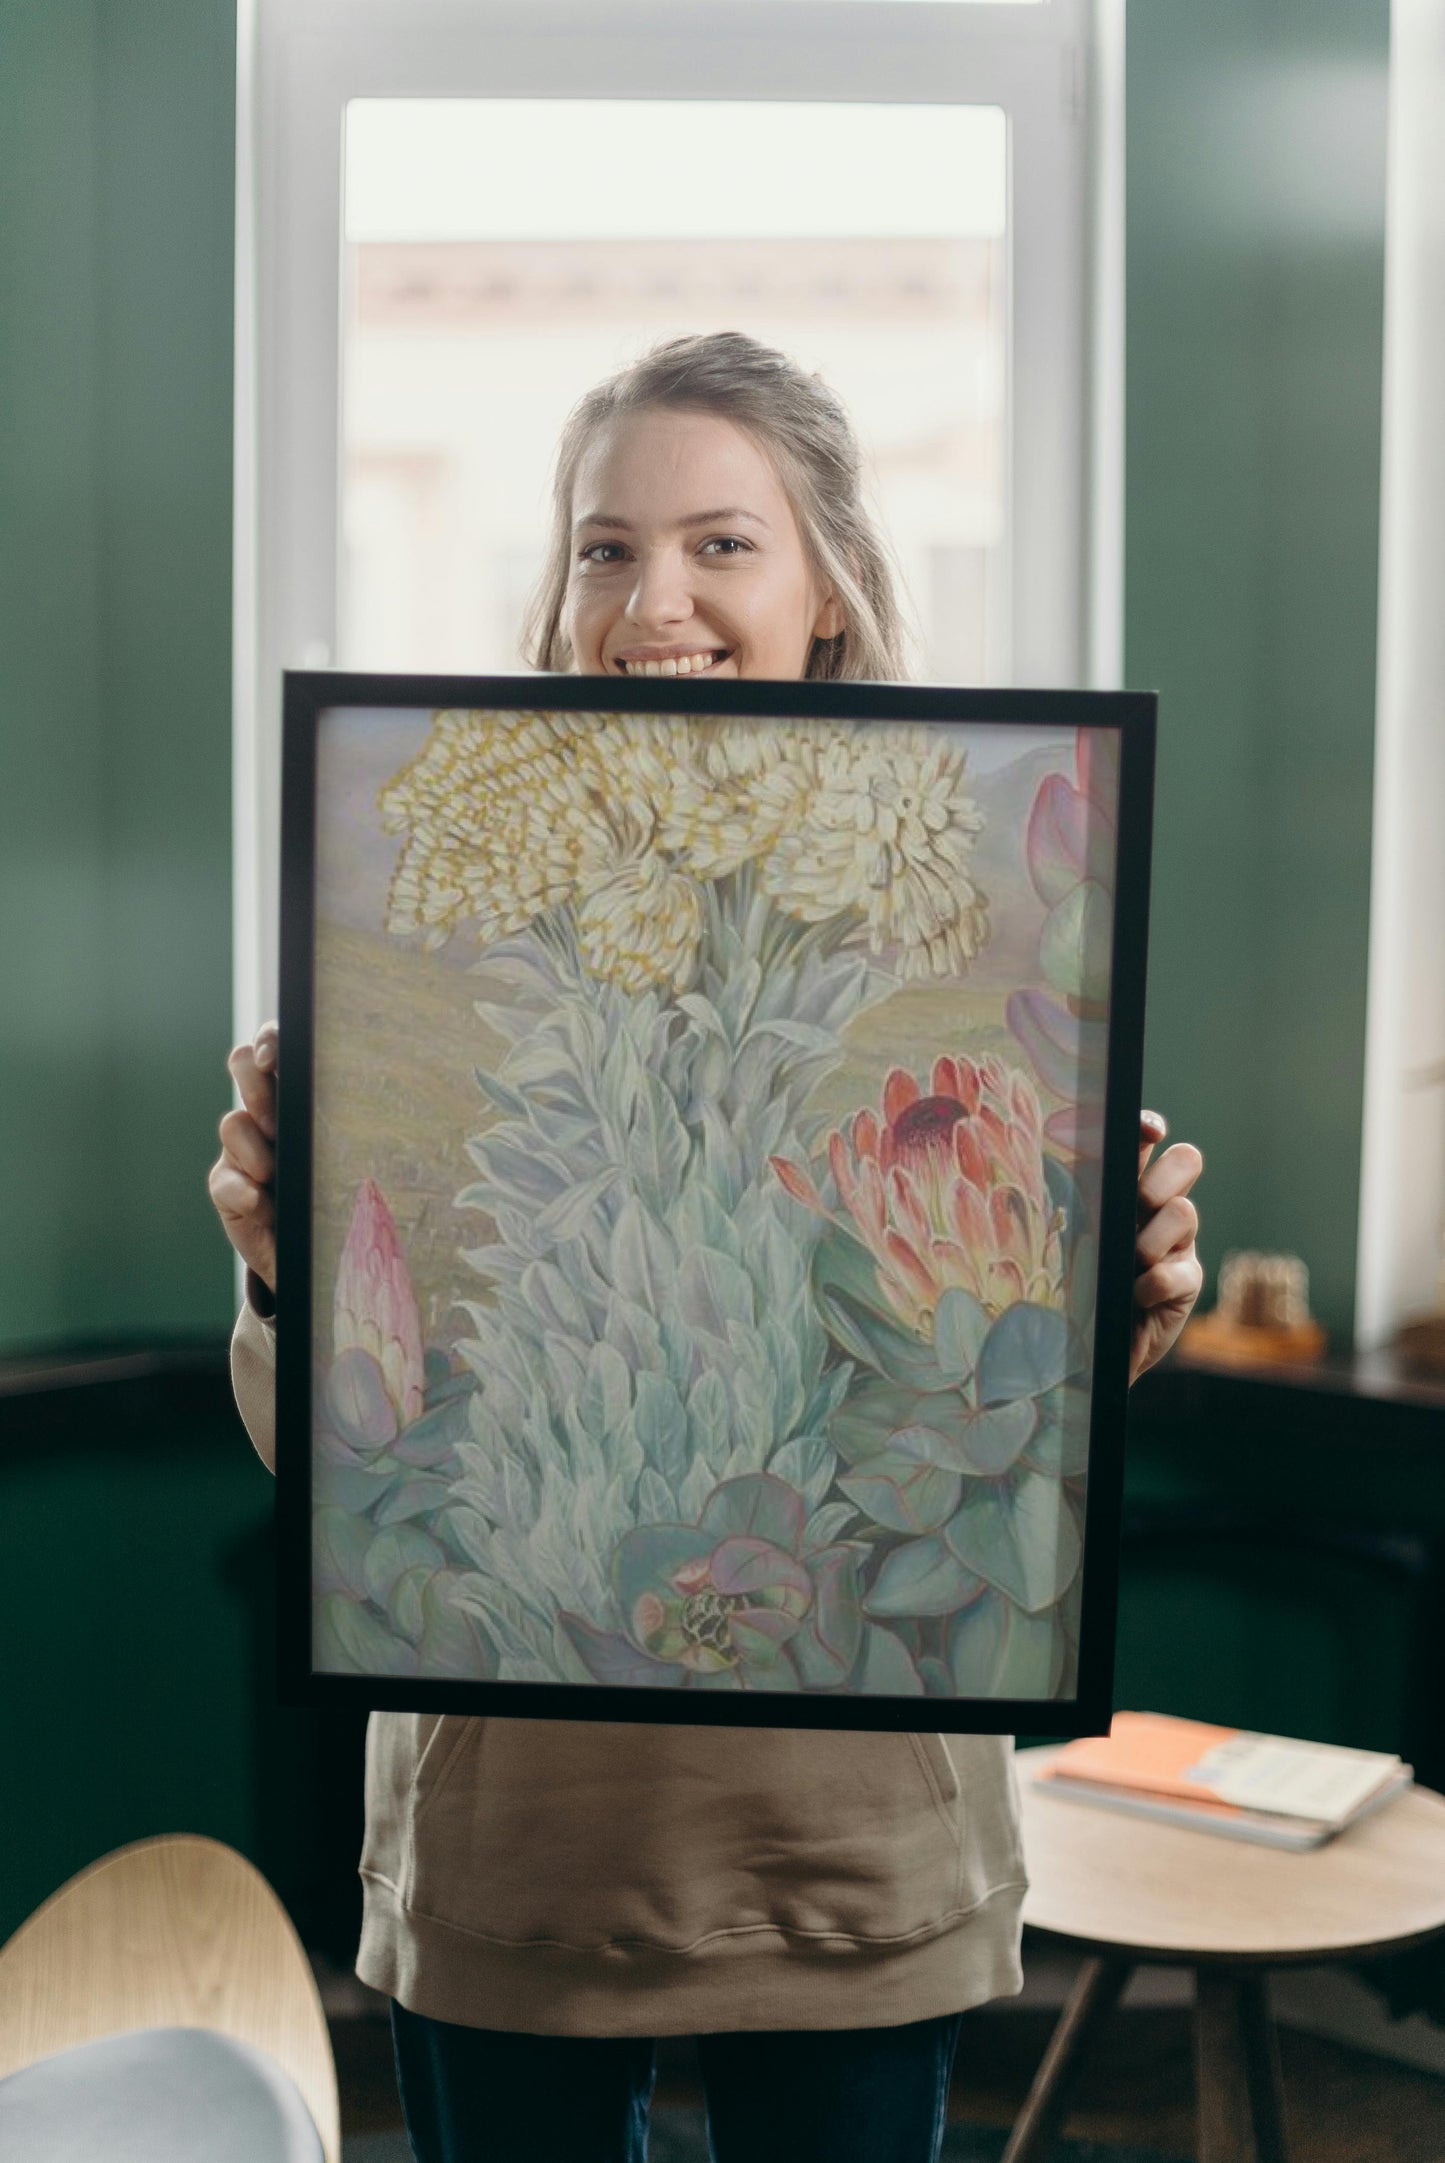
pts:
pixel 686 556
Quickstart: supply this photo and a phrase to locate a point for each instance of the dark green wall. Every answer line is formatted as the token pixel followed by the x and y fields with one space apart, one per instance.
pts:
pixel 1255 265
pixel 127 1572
pixel 137 1572
pixel 117 135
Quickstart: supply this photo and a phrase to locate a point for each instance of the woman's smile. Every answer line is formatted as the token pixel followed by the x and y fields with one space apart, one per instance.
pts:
pixel 671 660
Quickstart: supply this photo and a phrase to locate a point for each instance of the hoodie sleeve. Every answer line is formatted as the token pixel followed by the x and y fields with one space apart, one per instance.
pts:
pixel 253 1369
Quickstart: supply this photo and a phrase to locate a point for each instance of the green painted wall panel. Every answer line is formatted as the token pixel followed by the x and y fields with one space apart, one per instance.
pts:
pixel 117 133
pixel 1255 265
pixel 166 252
pixel 53 1155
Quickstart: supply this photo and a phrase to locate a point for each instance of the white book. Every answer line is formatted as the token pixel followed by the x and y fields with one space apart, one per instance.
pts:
pixel 1323 1781
pixel 1233 1821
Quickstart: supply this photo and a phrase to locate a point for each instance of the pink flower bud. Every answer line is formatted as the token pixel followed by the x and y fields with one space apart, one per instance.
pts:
pixel 375 1305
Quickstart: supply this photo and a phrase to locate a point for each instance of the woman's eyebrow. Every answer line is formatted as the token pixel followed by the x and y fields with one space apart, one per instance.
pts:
pixel 731 515
pixel 723 517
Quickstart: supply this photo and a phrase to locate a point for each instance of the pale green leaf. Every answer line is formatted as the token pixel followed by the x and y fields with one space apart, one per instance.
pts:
pixel 960 1324
pixel 887 1668
pixel 404 1602
pixel 339 1544
pixel 413 1498
pixel 502 1094
pixel 904 1496
pixel 924 1577
pixel 348 1639
pixel 1029 1349
pixel 826 1524
pixel 712 1290
pixel 1019 1536
pixel 1061 1445
pixel 807 1463
pixel 606 1394
pixel 394 1550
pixel 757 1505
pixel 658 1146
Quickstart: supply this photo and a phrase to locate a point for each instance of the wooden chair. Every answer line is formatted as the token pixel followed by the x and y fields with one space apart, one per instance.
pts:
pixel 176 1932
pixel 1126 1890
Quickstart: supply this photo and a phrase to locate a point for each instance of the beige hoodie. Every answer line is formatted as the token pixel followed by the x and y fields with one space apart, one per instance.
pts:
pixel 582 1878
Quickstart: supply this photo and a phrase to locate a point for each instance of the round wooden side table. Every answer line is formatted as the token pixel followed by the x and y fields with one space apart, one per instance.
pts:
pixel 1125 1890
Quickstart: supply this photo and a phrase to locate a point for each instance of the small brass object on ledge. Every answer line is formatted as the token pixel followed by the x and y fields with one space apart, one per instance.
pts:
pixel 1263 1315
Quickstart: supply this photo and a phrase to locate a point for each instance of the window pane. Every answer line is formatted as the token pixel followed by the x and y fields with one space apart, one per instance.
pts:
pixel 867 241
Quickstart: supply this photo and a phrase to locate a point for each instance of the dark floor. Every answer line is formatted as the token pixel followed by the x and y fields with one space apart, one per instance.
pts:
pixel 1343 2105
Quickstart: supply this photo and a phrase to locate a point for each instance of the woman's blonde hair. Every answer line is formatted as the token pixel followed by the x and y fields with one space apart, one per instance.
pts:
pixel 805 430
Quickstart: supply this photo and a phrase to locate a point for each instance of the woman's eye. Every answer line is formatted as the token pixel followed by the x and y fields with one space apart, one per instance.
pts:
pixel 726 544
pixel 602 552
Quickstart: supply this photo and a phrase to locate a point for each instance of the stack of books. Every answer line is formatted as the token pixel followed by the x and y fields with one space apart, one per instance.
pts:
pixel 1269 1788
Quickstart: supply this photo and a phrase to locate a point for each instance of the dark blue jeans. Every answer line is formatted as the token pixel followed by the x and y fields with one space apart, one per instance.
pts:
pixel 833 2095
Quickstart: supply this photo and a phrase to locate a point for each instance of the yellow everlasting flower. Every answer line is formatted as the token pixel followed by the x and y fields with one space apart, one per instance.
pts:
pixel 480 808
pixel 640 925
pixel 507 816
pixel 740 789
pixel 888 830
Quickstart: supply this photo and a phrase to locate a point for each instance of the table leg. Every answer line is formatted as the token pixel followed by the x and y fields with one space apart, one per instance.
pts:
pixel 1096 1991
pixel 1241 2116
pixel 1261 2045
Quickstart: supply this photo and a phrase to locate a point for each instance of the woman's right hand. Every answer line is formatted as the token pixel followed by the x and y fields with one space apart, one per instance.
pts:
pixel 242 1175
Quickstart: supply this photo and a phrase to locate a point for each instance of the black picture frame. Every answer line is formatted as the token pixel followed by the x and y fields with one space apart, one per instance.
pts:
pixel 310 695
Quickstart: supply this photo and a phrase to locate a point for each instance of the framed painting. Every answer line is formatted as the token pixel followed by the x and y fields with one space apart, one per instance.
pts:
pixel 708 1137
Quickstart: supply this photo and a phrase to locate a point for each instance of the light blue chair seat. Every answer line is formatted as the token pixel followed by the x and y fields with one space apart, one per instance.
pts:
pixel 156 2095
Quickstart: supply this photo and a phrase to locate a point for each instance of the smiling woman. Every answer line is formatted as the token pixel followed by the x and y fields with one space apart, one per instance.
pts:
pixel 645 576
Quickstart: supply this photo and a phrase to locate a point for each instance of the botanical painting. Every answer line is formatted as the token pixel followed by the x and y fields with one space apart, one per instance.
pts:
pixel 706 1161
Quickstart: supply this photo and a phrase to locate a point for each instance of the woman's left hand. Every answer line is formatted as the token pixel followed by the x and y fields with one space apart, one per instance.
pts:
pixel 1167 1272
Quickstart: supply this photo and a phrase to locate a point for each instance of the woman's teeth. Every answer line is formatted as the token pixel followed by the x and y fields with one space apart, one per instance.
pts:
pixel 686 664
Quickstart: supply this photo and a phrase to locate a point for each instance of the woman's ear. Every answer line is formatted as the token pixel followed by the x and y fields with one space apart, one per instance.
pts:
pixel 830 619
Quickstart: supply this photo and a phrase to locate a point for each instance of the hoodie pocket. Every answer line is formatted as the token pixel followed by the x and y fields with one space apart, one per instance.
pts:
pixel 939 1775
pixel 586 1835
pixel 405 1753
pixel 440 1753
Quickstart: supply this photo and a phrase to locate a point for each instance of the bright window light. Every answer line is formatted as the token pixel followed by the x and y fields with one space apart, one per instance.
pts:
pixel 868 241
pixel 433 169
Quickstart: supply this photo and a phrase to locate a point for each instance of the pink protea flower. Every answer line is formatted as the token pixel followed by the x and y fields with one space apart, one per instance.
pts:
pixel 945 1187
pixel 375 1309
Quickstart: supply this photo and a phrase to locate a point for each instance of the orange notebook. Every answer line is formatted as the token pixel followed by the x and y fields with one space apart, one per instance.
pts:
pixel 1199 1764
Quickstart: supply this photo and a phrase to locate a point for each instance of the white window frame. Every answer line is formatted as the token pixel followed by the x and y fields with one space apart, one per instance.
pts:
pixel 1402 1165
pixel 1056 69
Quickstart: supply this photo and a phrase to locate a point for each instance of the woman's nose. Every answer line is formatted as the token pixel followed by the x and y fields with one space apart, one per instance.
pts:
pixel 661 595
